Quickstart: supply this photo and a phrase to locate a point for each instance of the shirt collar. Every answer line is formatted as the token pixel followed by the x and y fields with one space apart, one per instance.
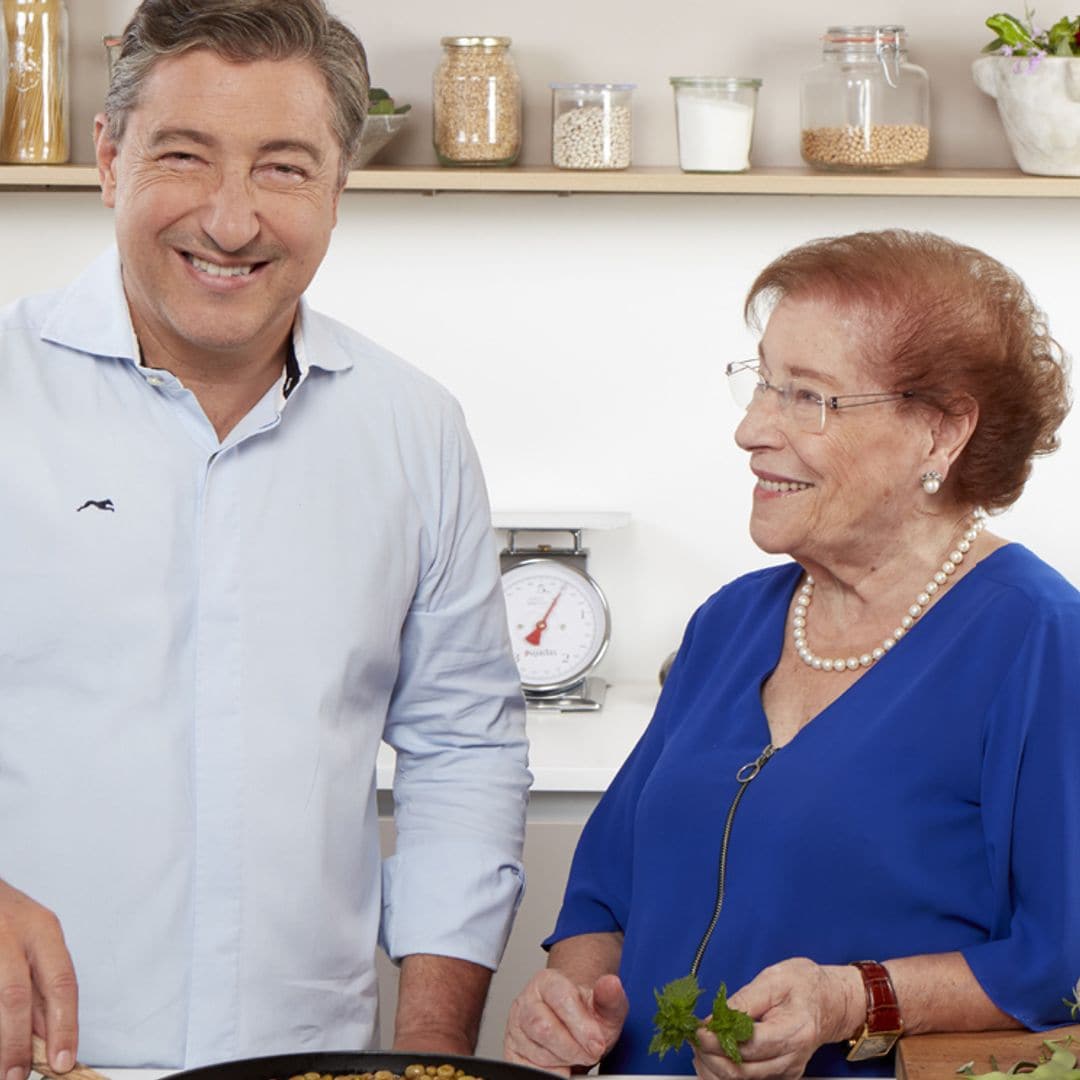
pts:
pixel 92 317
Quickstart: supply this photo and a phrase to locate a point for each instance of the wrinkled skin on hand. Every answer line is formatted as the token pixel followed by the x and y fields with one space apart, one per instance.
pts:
pixel 797 1006
pixel 556 1024
pixel 38 990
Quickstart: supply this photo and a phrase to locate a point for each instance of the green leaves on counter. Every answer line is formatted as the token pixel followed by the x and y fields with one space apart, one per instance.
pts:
pixel 1056 1062
pixel 676 1023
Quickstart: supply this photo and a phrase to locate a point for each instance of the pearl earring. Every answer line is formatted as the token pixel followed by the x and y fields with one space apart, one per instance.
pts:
pixel 931 482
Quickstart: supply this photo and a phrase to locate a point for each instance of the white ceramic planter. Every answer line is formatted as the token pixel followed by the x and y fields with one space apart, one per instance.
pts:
pixel 1039 109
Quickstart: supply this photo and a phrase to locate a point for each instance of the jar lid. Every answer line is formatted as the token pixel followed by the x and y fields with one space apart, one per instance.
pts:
pixel 485 42
pixel 592 87
pixel 889 34
pixel 718 82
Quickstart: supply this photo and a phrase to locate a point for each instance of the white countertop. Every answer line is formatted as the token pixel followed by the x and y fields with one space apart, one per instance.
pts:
pixel 578 751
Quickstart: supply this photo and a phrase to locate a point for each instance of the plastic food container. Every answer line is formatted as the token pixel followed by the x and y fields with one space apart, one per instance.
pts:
pixel 477 102
pixel 714 116
pixel 591 125
pixel 865 108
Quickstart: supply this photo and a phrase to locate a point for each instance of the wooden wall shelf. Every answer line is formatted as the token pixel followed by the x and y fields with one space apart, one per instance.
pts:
pixel 661 180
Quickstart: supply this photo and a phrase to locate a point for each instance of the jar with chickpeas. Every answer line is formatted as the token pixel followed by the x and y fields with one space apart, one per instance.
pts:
pixel 865 108
pixel 476 102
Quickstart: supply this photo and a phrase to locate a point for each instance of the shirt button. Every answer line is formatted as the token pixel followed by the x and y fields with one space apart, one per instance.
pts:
pixel 153 380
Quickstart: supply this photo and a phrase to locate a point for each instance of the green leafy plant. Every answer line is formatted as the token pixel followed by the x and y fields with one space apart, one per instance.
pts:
pixel 1056 1062
pixel 1023 38
pixel 380 103
pixel 1074 1001
pixel 676 1023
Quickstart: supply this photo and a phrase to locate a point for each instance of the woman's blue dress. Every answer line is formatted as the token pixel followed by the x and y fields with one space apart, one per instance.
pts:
pixel 934 806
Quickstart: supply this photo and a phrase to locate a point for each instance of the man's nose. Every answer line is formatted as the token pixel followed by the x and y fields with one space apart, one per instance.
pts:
pixel 231 217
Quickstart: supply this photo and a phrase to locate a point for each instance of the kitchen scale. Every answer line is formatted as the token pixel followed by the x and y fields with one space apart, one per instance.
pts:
pixel 558 616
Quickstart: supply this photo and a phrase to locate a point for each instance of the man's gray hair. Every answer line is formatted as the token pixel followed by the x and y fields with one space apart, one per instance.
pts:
pixel 245 30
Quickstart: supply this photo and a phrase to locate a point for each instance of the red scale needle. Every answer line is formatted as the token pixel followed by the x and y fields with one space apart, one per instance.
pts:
pixel 533 637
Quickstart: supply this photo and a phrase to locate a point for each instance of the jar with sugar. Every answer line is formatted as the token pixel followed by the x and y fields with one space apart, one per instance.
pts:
pixel 865 108
pixel 714 117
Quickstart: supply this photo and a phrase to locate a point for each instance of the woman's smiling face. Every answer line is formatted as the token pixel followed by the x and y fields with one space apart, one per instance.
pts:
pixel 836 497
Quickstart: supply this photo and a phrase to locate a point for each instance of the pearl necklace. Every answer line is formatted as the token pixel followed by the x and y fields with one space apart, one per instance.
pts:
pixel 922 601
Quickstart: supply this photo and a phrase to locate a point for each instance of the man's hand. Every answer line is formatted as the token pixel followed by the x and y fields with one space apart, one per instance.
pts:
pixel 797 1006
pixel 555 1024
pixel 38 990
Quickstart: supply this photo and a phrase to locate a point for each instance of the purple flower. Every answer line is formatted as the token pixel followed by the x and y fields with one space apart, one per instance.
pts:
pixel 1006 50
pixel 1034 59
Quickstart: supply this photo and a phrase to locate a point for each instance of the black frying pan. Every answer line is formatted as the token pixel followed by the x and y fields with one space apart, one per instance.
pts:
pixel 335 1062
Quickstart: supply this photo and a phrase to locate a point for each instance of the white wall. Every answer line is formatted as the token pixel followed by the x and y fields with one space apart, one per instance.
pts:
pixel 643 43
pixel 586 336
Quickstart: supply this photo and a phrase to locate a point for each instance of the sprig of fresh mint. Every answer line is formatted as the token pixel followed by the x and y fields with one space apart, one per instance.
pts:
pixel 676 1023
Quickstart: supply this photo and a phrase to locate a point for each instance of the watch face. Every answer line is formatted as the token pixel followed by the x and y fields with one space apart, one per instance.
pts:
pixel 870 1046
pixel 558 620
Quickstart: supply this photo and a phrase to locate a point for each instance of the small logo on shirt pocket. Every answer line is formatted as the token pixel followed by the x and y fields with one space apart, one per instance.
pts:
pixel 100 504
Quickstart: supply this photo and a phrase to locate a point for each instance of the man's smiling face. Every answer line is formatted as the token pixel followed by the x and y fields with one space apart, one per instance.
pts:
pixel 225 185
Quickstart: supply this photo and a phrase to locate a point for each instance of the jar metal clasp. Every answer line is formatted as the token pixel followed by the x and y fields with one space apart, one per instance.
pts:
pixel 887 50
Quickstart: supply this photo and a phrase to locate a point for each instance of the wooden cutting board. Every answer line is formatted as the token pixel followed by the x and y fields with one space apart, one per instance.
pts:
pixel 937 1057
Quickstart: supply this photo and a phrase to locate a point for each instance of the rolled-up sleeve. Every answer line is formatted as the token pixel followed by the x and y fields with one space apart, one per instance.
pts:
pixel 457 724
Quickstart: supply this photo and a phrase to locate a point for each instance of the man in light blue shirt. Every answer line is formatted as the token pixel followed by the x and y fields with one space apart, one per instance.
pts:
pixel 241 545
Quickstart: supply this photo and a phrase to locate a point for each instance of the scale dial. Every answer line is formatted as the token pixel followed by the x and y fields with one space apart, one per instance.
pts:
pixel 559 623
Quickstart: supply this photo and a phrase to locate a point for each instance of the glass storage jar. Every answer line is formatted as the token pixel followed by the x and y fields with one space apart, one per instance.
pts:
pixel 34 125
pixel 714 121
pixel 477 102
pixel 591 125
pixel 865 108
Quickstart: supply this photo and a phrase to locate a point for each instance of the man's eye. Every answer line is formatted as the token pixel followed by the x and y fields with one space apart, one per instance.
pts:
pixel 803 395
pixel 282 171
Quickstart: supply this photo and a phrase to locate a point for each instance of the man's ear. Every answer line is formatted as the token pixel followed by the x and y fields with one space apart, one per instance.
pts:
pixel 106 152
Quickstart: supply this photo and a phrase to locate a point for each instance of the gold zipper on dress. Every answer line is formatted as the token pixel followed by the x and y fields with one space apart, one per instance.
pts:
pixel 744 776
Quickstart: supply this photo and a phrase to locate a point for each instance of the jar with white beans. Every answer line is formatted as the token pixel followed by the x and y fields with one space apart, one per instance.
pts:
pixel 591 125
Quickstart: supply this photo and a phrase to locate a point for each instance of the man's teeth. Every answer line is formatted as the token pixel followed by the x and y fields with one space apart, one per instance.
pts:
pixel 218 271
pixel 783 485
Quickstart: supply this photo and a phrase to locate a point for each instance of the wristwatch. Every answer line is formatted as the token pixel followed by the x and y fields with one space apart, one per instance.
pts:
pixel 883 1023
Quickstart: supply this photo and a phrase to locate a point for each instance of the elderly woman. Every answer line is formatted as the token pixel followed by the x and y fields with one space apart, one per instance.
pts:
pixel 857 804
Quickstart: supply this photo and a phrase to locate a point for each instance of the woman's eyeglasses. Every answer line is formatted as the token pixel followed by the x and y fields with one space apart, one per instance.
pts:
pixel 805 407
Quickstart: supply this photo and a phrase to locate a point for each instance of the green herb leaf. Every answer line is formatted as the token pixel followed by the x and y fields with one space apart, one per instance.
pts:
pixel 675 1021
pixel 729 1025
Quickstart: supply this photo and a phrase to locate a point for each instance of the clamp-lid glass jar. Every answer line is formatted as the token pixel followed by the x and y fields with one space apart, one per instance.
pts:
pixel 865 108
pixel 34 121
pixel 477 102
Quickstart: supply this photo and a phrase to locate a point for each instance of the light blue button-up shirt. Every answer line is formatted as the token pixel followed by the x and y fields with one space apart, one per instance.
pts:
pixel 202 643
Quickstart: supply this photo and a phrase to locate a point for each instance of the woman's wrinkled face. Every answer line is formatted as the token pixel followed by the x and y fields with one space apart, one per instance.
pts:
pixel 841 497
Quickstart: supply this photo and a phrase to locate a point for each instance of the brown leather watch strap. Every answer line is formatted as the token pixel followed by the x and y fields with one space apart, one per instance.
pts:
pixel 882 1009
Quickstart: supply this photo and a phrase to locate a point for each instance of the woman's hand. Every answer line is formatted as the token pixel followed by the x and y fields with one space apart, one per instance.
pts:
pixel 556 1024
pixel 796 1006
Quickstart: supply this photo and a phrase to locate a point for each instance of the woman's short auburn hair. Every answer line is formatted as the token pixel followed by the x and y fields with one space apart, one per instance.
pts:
pixel 953 325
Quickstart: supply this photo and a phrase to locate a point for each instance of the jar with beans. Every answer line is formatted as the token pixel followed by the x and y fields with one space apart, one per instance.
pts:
pixel 865 108
pixel 590 125
pixel 477 102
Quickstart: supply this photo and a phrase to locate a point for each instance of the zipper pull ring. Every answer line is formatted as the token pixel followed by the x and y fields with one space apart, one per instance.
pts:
pixel 752 768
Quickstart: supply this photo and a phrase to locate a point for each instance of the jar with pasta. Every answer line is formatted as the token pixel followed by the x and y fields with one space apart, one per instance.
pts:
pixel 35 127
pixel 865 108
pixel 477 102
